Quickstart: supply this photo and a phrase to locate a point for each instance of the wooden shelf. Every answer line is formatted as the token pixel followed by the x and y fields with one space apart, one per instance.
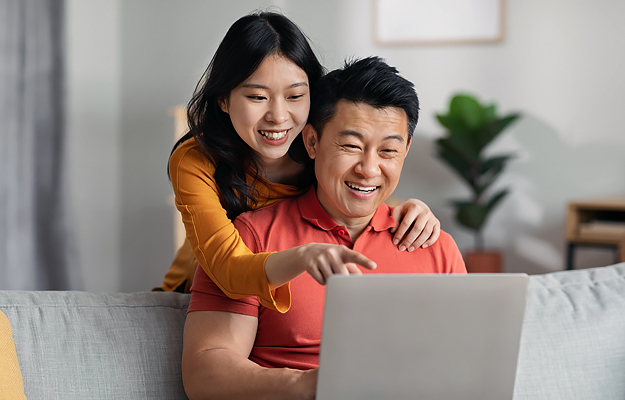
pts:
pixel 596 222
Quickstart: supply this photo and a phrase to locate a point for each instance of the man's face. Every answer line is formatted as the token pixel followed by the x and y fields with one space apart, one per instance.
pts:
pixel 358 159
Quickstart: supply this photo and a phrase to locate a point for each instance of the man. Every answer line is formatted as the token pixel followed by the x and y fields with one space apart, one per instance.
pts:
pixel 359 133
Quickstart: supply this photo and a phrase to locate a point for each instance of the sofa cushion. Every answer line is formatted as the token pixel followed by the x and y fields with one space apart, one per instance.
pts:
pixel 573 339
pixel 77 345
pixel 11 385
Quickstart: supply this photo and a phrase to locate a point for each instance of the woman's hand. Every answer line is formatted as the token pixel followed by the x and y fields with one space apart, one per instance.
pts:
pixel 320 260
pixel 323 260
pixel 415 226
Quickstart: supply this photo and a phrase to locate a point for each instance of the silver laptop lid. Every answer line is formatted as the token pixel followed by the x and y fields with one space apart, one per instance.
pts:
pixel 421 336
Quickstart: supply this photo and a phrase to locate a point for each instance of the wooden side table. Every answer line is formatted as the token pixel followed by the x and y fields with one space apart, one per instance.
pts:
pixel 596 223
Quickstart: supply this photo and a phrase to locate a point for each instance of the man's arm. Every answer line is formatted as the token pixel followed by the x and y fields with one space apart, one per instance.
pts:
pixel 215 362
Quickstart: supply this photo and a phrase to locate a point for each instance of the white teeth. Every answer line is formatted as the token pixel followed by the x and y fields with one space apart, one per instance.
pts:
pixel 361 188
pixel 274 135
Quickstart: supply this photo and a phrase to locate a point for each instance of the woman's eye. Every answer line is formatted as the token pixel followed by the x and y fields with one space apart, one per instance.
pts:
pixel 297 96
pixel 256 97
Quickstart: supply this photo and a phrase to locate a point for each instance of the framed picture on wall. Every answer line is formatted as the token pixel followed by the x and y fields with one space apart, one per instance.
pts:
pixel 438 22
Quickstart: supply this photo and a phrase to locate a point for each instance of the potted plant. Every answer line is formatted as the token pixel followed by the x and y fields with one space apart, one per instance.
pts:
pixel 470 128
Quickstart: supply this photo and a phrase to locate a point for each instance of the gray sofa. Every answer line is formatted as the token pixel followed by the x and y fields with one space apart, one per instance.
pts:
pixel 76 345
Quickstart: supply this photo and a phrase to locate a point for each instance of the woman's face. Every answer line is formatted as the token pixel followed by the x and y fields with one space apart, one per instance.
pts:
pixel 270 108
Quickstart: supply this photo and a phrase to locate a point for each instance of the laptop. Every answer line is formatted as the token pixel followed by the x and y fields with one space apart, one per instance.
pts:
pixel 421 336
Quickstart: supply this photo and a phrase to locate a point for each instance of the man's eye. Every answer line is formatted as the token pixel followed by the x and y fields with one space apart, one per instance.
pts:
pixel 389 151
pixel 256 97
pixel 351 146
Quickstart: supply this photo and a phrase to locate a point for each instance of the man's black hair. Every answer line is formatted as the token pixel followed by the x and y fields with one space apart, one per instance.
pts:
pixel 371 81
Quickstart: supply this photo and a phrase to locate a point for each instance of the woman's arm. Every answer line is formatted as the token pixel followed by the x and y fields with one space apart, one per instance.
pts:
pixel 224 256
pixel 215 362
pixel 215 242
pixel 415 225
pixel 320 260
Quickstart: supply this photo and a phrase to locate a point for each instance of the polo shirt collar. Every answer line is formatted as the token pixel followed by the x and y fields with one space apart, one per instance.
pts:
pixel 312 211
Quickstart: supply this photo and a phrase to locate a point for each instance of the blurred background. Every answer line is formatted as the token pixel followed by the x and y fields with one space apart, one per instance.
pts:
pixel 128 62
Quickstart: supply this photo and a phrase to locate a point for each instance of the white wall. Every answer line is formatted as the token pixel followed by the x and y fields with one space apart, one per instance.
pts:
pixel 166 47
pixel 93 114
pixel 559 66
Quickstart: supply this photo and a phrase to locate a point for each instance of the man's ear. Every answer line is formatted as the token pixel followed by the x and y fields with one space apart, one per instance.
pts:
pixel 409 143
pixel 311 140
pixel 223 104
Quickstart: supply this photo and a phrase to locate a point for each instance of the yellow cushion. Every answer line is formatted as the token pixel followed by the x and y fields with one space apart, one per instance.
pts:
pixel 11 384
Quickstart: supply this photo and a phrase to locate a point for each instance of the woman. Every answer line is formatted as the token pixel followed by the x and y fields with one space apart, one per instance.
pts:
pixel 244 151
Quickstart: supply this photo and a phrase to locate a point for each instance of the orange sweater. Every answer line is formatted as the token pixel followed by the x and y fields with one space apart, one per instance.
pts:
pixel 212 240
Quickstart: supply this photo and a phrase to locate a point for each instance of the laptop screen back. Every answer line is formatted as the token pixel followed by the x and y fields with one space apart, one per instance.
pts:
pixel 421 336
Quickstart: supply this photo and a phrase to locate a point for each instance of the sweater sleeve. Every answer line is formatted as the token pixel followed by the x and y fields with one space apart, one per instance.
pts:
pixel 215 241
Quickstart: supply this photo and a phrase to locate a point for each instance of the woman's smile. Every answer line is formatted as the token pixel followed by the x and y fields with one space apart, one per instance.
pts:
pixel 270 108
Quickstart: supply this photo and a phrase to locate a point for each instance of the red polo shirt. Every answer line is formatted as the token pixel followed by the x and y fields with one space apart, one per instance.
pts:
pixel 292 339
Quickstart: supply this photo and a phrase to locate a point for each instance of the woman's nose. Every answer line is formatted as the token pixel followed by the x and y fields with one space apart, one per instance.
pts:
pixel 278 112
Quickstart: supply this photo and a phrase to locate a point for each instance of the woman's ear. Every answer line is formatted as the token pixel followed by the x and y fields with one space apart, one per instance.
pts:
pixel 311 140
pixel 223 104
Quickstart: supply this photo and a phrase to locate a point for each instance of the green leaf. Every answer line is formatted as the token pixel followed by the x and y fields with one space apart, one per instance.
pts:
pixel 491 168
pixel 464 155
pixel 497 126
pixel 495 164
pixel 458 164
pixel 470 128
pixel 453 124
pixel 457 147
pixel 469 110
pixel 496 199
pixel 470 215
pixel 490 113
pixel 459 134
pixel 473 215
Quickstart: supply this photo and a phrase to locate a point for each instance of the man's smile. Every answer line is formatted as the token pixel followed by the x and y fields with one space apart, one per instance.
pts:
pixel 361 188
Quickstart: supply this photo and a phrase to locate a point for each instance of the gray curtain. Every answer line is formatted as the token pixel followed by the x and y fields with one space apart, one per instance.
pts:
pixel 35 245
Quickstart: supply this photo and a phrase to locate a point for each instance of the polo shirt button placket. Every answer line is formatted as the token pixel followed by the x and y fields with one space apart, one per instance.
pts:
pixel 343 237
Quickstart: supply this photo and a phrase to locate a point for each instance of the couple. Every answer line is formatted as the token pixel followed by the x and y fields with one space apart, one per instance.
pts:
pixel 359 131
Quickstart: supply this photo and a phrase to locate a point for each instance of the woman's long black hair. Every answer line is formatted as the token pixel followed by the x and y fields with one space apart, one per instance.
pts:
pixel 247 43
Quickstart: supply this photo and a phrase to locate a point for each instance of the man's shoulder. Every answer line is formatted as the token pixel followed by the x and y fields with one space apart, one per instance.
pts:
pixel 265 229
pixel 446 250
pixel 445 239
pixel 444 244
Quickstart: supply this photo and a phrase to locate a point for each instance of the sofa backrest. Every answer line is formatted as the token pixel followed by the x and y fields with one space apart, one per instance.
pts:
pixel 573 339
pixel 78 345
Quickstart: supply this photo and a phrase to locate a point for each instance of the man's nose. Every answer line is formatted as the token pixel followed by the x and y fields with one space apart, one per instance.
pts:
pixel 369 165
pixel 278 111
